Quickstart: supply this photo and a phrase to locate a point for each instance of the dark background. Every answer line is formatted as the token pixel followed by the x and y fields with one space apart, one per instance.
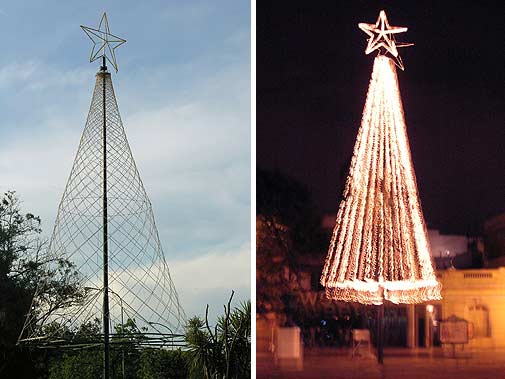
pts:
pixel 312 78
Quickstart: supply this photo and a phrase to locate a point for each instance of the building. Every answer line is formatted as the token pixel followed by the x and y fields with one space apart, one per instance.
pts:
pixel 469 292
pixel 494 239
pixel 477 296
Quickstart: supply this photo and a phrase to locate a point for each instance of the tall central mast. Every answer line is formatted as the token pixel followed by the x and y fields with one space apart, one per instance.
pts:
pixel 379 251
pixel 105 223
pixel 108 43
pixel 106 316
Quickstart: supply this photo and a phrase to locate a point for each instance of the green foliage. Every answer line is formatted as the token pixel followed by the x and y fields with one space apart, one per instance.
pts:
pixel 126 353
pixel 21 267
pixel 83 364
pixel 19 247
pixel 221 353
pixel 163 364
pixel 129 332
pixel 59 289
pixel 139 363
pixel 238 331
pixel 225 352
pixel 207 358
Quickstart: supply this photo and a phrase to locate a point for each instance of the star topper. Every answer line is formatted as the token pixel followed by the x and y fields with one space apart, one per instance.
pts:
pixel 382 36
pixel 107 43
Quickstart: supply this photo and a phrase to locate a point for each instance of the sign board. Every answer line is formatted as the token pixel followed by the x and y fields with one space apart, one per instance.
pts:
pixel 454 330
pixel 289 343
pixel 361 335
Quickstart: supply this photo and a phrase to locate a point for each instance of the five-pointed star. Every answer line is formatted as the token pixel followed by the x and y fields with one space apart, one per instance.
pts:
pixel 383 37
pixel 106 41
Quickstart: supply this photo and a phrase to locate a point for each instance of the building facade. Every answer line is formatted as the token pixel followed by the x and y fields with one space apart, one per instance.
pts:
pixel 476 295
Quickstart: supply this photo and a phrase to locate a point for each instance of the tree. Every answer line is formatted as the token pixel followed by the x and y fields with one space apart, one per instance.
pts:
pixel 80 364
pixel 221 353
pixel 86 361
pixel 288 226
pixel 285 202
pixel 225 352
pixel 19 248
pixel 163 364
pixel 22 263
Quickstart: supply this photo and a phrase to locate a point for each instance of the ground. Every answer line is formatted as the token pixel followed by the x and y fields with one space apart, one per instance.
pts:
pixel 398 363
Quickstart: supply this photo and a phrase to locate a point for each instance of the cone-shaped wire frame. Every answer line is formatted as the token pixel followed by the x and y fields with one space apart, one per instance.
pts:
pixel 379 249
pixel 140 286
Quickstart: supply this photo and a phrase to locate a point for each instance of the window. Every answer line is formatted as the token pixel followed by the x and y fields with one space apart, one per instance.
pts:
pixel 478 315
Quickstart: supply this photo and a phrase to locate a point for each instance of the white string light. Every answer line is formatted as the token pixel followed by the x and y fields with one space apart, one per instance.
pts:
pixel 382 36
pixel 379 249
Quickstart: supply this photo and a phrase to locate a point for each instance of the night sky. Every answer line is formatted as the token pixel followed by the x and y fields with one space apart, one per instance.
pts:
pixel 312 78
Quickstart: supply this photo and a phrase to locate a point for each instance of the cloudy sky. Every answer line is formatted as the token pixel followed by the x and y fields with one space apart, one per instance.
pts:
pixel 183 89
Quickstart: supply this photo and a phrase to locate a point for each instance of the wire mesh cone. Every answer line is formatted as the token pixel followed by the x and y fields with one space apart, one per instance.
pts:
pixel 140 286
pixel 379 249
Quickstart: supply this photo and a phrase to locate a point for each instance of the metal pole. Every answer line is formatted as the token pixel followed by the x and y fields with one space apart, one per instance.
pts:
pixel 380 334
pixel 106 315
pixel 122 326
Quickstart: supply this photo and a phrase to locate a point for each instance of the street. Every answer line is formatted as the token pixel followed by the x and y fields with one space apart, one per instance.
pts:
pixel 398 363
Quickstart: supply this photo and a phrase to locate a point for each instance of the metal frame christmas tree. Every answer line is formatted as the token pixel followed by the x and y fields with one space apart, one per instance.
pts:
pixel 379 250
pixel 105 226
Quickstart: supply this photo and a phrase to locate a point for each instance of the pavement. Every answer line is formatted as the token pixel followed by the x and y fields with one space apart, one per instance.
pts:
pixel 322 363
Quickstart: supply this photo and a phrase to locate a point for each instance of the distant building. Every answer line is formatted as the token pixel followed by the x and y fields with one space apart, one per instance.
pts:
pixel 478 296
pixel 494 240
pixel 468 291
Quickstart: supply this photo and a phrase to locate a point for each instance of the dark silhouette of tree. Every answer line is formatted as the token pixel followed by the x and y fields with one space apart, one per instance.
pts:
pixel 127 354
pixel 22 263
pixel 288 226
pixel 284 201
pixel 225 352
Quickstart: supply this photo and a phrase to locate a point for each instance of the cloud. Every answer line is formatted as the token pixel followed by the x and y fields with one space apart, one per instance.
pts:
pixel 18 72
pixel 184 96
pixel 194 158
pixel 209 279
pixel 37 76
pixel 218 270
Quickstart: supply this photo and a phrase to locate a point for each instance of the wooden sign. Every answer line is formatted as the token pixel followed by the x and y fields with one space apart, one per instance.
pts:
pixel 361 335
pixel 454 330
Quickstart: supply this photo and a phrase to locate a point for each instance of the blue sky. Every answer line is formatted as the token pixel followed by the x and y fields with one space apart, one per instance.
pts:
pixel 183 89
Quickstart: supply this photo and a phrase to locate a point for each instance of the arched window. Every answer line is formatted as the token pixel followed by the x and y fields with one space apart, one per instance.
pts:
pixel 478 315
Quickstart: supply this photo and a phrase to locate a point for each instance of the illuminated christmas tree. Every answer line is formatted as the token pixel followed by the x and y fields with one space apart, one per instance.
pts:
pixel 379 249
pixel 105 226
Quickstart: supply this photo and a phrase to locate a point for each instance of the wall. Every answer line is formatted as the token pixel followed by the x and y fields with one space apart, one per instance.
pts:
pixel 478 296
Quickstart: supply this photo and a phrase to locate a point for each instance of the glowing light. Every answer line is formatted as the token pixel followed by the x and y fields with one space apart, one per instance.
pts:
pixel 382 35
pixel 379 249
pixel 429 308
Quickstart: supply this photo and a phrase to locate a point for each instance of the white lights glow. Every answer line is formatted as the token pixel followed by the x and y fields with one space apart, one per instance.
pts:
pixel 379 249
pixel 382 35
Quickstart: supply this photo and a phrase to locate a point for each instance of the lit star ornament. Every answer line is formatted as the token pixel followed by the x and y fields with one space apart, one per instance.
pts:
pixel 104 43
pixel 382 35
